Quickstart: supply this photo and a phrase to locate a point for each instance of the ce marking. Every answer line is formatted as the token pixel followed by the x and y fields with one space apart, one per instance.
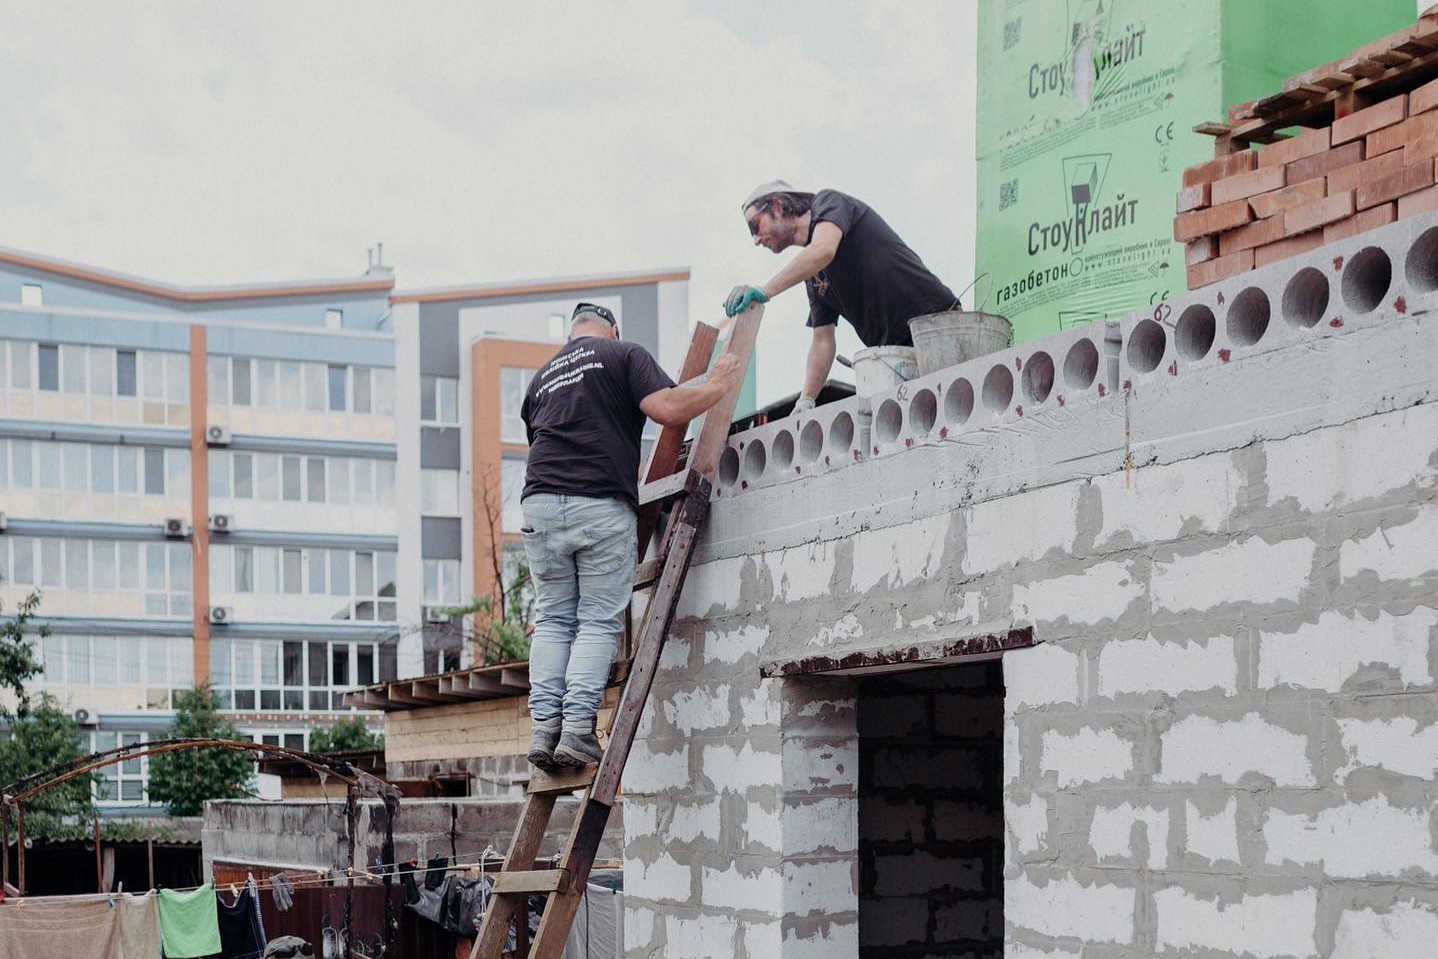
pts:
pixel 1163 133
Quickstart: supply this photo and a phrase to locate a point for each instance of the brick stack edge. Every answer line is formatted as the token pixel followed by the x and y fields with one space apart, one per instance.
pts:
pixel 1248 209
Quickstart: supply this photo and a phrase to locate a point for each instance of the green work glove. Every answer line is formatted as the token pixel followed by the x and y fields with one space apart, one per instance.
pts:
pixel 741 297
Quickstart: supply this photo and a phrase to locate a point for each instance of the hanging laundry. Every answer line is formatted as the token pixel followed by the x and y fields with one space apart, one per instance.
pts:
pixel 189 922
pixel 241 933
pixel 139 926
pixel 283 891
pixel 54 928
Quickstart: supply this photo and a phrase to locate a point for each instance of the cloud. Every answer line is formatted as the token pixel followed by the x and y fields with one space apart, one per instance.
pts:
pixel 217 142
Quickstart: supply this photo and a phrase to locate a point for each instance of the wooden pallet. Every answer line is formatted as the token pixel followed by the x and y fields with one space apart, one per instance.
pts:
pixel 1387 67
pixel 687 494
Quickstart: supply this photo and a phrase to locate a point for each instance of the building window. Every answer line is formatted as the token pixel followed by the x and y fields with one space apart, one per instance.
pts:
pixel 362 403
pixel 441 582
pixel 32 294
pixel 124 372
pixel 20 365
pixel 511 487
pixel 292 675
pixel 513 384
pixel 439 399
pixel 316 389
pixel 439 492
pixel 217 370
pixel 339 382
pixel 334 319
pixel 122 782
pixel 49 366
pixel 557 323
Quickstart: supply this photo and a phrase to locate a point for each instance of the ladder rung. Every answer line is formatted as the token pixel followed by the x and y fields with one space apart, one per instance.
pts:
pixel 559 780
pixel 532 880
pixel 668 487
pixel 646 574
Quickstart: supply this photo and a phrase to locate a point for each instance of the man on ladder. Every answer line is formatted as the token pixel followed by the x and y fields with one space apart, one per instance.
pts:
pixel 584 414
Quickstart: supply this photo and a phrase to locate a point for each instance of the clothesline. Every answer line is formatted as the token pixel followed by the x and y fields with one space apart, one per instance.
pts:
pixel 487 857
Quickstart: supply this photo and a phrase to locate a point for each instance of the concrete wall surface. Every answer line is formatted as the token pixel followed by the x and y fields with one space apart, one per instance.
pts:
pixel 1221 742
pixel 312 834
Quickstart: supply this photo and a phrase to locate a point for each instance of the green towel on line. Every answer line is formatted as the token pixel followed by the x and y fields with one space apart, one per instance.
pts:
pixel 189 922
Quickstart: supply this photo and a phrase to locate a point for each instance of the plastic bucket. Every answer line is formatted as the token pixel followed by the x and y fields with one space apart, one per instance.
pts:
pixel 883 368
pixel 948 339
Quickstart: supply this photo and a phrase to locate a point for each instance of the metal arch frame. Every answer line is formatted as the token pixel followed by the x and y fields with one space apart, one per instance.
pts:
pixel 358 783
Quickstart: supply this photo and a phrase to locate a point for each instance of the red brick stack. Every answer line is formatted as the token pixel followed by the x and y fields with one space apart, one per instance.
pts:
pixel 1371 167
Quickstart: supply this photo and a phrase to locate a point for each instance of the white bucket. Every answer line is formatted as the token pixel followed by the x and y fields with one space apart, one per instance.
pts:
pixel 879 368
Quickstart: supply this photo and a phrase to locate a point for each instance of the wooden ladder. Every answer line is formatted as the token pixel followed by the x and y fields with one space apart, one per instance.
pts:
pixel 687 495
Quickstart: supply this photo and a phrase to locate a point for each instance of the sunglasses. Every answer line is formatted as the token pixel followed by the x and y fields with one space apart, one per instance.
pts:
pixel 289 952
pixel 600 311
pixel 759 209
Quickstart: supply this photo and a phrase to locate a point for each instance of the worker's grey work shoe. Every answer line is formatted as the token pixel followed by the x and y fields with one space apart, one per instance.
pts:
pixel 543 737
pixel 578 745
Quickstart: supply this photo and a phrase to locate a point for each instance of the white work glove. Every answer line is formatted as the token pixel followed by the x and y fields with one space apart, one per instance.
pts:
pixel 804 404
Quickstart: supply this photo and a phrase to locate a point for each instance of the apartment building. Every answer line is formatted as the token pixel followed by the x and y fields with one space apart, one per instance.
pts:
pixel 273 488
pixel 463 358
pixel 202 483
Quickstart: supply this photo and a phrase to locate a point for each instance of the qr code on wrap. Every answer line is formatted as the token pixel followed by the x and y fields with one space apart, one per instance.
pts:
pixel 1011 34
pixel 1008 194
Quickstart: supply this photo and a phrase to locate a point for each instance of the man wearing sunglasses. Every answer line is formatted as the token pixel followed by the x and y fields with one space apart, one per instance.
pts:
pixel 584 413
pixel 853 265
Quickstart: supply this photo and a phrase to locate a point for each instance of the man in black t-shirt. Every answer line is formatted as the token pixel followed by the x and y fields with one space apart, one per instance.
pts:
pixel 584 414
pixel 853 265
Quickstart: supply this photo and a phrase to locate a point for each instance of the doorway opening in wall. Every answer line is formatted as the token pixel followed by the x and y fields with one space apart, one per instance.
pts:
pixel 931 840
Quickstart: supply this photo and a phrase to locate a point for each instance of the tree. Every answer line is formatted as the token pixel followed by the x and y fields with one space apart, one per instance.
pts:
pixel 184 779
pixel 42 734
pixel 18 663
pixel 44 737
pixel 345 736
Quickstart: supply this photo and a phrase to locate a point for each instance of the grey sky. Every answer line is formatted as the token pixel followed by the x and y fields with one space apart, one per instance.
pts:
pixel 210 142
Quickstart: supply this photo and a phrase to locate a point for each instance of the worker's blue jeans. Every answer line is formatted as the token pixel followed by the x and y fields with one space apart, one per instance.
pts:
pixel 581 554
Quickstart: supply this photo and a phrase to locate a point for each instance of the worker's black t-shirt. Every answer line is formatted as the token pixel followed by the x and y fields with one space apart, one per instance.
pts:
pixel 582 416
pixel 874 281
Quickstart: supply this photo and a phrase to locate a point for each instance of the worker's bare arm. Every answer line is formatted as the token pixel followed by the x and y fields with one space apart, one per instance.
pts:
pixel 678 405
pixel 822 348
pixel 811 259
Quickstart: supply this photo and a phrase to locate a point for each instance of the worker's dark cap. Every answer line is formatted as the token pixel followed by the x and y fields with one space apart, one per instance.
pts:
pixel 603 312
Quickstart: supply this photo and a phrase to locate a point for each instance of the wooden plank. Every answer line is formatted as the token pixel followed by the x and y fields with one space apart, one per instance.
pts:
pixel 668 487
pixel 532 880
pixel 483 683
pixel 579 851
pixel 665 454
pixel 657 618
pixel 523 848
pixel 559 781
pixel 713 432
pixel 454 686
pixel 645 574
pixel 512 678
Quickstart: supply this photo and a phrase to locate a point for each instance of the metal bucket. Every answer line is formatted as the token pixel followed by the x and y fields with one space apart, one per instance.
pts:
pixel 883 368
pixel 948 339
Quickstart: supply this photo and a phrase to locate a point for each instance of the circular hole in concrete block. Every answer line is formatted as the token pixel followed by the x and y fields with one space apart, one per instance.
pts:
pixel 923 411
pixel 959 402
pixel 811 441
pixel 1146 346
pixel 1038 377
pixel 1081 365
pixel 1248 317
pixel 1193 335
pixel 998 388
pixel 841 434
pixel 1366 279
pixel 754 460
pixel 888 422
pixel 783 450
pixel 1305 298
pixel 1421 266
pixel 728 466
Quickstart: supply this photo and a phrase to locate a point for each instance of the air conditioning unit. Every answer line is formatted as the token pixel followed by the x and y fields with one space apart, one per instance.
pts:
pixel 176 528
pixel 81 717
pixel 435 614
pixel 220 615
pixel 217 435
pixel 222 522
pixel 4 521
